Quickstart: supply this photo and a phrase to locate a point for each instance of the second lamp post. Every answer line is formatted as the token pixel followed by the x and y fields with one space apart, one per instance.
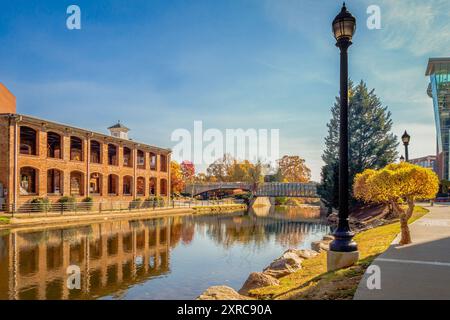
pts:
pixel 405 138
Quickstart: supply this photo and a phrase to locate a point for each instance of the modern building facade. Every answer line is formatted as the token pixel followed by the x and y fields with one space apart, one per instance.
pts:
pixel 438 70
pixel 40 158
pixel 426 162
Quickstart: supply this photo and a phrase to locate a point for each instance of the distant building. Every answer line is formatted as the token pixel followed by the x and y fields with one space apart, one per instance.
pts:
pixel 438 70
pixel 41 158
pixel 426 162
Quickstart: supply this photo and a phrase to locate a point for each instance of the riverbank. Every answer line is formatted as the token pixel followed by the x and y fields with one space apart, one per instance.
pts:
pixel 313 281
pixel 38 220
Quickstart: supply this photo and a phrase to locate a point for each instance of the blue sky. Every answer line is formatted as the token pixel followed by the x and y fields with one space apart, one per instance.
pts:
pixel 160 65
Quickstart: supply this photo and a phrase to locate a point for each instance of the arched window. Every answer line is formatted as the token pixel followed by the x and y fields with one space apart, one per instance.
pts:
pixel 28 181
pixel 28 141
pixel 163 187
pixel 54 145
pixel 127 185
pixel 141 159
pixel 76 183
pixel 95 184
pixel 112 155
pixel 76 149
pixel 113 184
pixel 95 152
pixel 153 161
pixel 163 160
pixel 152 186
pixel 127 159
pixel 140 186
pixel 54 182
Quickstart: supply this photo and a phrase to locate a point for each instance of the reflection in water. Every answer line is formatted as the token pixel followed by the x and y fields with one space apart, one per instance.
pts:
pixel 134 258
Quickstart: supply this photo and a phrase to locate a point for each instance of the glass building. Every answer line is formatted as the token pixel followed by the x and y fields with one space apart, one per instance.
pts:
pixel 438 70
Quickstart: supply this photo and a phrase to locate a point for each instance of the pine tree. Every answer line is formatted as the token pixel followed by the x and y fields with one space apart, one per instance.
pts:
pixel 371 143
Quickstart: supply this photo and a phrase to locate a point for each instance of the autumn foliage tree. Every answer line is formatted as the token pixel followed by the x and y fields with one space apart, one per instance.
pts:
pixel 397 184
pixel 293 169
pixel 188 171
pixel 176 177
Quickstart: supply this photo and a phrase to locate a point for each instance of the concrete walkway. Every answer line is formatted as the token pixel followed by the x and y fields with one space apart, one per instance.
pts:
pixel 420 270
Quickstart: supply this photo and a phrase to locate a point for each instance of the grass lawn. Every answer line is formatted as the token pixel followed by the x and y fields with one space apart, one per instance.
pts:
pixel 313 282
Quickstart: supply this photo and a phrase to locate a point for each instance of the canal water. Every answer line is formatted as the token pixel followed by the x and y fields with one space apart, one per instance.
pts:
pixel 173 257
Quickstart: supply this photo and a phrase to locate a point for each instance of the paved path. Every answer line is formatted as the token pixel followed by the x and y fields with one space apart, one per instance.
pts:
pixel 420 270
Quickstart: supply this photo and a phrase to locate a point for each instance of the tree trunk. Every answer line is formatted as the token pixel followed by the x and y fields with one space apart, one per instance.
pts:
pixel 393 210
pixel 404 215
pixel 406 235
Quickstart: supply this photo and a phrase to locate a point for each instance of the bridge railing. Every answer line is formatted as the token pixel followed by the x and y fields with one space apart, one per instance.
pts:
pixel 272 189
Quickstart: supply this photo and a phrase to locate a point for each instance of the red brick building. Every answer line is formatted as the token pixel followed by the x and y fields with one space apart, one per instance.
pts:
pixel 40 158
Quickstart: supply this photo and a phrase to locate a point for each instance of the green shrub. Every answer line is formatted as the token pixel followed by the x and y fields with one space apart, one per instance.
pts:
pixel 243 196
pixel 156 201
pixel 161 201
pixel 136 203
pixel 40 205
pixel 146 203
pixel 87 203
pixel 68 203
pixel 280 200
pixel 4 220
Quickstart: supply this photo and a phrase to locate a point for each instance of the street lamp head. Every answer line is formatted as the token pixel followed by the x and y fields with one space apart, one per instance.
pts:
pixel 344 25
pixel 402 159
pixel 405 138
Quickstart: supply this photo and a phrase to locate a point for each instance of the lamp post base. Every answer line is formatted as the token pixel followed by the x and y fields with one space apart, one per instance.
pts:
pixel 338 260
pixel 343 241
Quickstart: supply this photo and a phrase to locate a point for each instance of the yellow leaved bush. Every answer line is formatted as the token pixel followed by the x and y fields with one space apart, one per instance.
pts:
pixel 395 184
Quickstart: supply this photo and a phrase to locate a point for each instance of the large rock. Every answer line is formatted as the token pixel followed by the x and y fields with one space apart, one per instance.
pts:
pixel 288 263
pixel 304 253
pixel 221 293
pixel 258 280
pixel 320 246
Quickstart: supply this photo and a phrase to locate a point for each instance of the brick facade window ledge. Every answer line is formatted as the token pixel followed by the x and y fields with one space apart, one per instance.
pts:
pixel 28 155
pixel 54 194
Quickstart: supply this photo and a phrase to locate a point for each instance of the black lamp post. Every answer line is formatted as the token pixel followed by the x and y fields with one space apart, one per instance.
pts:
pixel 405 138
pixel 344 26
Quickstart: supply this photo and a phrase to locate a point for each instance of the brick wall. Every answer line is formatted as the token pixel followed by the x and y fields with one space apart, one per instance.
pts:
pixel 42 163
pixel 5 132
pixel 7 100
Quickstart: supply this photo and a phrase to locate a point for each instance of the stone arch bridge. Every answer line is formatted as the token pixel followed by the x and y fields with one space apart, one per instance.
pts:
pixel 267 189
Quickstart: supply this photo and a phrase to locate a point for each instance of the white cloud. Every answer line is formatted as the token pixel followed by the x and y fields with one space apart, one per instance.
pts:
pixel 421 27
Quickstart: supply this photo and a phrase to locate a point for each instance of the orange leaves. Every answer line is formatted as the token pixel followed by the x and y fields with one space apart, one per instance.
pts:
pixel 176 177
